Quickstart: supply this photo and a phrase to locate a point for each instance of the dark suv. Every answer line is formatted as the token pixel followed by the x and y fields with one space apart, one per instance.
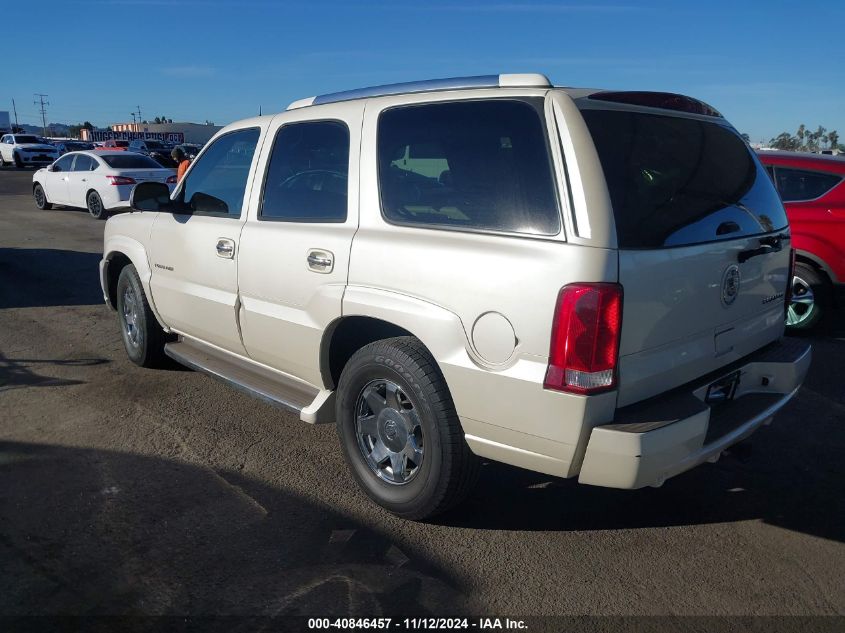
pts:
pixel 157 150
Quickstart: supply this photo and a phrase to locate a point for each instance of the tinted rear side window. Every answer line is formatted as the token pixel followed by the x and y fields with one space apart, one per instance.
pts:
pixel 476 165
pixel 307 180
pixel 802 184
pixel 675 181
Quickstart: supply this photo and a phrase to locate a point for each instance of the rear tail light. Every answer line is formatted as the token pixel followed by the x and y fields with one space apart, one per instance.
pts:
pixel 121 180
pixel 171 180
pixel 790 274
pixel 585 338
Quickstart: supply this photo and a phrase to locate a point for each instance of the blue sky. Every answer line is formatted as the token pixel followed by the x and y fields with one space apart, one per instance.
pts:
pixel 768 66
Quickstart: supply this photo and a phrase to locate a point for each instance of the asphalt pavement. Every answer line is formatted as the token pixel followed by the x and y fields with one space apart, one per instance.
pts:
pixel 163 492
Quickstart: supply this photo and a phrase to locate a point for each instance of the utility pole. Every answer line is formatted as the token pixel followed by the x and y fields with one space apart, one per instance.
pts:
pixel 43 105
pixel 15 110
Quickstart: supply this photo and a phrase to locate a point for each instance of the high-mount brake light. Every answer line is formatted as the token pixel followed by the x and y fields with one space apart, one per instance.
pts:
pixel 121 180
pixel 585 338
pixel 663 100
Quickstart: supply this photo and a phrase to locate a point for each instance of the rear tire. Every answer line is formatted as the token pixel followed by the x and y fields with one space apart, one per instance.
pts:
pixel 143 337
pixel 40 198
pixel 400 434
pixel 811 294
pixel 95 205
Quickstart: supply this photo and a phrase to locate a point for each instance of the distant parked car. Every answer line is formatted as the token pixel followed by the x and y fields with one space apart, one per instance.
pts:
pixel 116 145
pixel 64 147
pixel 99 181
pixel 24 150
pixel 811 187
pixel 158 151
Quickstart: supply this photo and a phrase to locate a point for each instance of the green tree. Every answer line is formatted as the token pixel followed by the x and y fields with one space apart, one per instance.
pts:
pixel 74 130
pixel 785 141
pixel 746 138
pixel 833 139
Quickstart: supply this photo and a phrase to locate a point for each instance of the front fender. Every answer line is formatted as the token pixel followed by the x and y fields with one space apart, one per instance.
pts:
pixel 136 253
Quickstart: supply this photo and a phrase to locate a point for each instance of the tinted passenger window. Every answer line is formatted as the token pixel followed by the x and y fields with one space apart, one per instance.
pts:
pixel 800 184
pixel 63 164
pixel 307 180
pixel 675 181
pixel 479 165
pixel 217 181
pixel 82 163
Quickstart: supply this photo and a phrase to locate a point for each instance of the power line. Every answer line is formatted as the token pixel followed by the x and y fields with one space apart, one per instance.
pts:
pixel 44 105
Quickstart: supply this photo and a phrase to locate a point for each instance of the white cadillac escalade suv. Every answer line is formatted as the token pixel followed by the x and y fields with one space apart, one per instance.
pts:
pixel 583 283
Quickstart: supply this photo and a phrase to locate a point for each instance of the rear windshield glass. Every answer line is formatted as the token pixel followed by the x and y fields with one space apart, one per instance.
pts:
pixel 130 161
pixel 675 181
pixel 477 165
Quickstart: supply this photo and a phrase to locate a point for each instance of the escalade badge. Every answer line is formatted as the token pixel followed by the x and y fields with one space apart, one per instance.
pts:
pixel 730 284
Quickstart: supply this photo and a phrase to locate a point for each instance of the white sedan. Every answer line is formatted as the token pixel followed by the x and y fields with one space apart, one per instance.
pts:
pixel 98 181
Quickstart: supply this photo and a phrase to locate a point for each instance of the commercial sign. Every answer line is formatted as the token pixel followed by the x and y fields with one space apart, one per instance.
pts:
pixel 108 135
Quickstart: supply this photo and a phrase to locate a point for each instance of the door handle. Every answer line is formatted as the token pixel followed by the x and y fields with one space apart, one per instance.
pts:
pixel 320 261
pixel 225 248
pixel 84 180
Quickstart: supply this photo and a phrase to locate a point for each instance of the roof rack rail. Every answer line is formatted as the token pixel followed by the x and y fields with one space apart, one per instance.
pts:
pixel 526 80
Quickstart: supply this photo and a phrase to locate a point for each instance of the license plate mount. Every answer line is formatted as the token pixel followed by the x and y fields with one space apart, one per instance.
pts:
pixel 724 389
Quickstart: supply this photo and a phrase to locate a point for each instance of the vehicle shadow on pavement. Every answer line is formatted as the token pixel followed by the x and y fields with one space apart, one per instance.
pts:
pixel 16 372
pixel 43 277
pixel 94 532
pixel 792 478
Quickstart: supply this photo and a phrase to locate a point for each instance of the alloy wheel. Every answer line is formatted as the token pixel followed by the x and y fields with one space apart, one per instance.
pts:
pixel 803 304
pixel 130 317
pixel 389 432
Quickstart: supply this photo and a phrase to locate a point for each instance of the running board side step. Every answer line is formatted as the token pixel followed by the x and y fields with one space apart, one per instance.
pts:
pixel 313 405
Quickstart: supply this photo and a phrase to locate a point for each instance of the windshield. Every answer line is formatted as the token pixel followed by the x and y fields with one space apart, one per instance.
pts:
pixel 130 161
pixel 20 138
pixel 675 181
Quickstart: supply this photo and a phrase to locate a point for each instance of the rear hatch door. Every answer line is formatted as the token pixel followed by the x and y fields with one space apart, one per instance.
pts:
pixel 703 245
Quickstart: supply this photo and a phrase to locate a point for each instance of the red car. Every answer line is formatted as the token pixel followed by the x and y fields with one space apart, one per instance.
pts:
pixel 116 145
pixel 812 187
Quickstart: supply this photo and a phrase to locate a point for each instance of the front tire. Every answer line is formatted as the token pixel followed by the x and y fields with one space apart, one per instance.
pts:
pixel 95 205
pixel 143 337
pixel 400 434
pixel 810 298
pixel 40 198
pixel 18 161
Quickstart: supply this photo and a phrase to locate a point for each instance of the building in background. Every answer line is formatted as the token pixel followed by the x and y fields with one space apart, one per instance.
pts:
pixel 198 133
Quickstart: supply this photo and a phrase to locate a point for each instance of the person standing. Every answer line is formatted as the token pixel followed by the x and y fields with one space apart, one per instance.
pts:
pixel 182 162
